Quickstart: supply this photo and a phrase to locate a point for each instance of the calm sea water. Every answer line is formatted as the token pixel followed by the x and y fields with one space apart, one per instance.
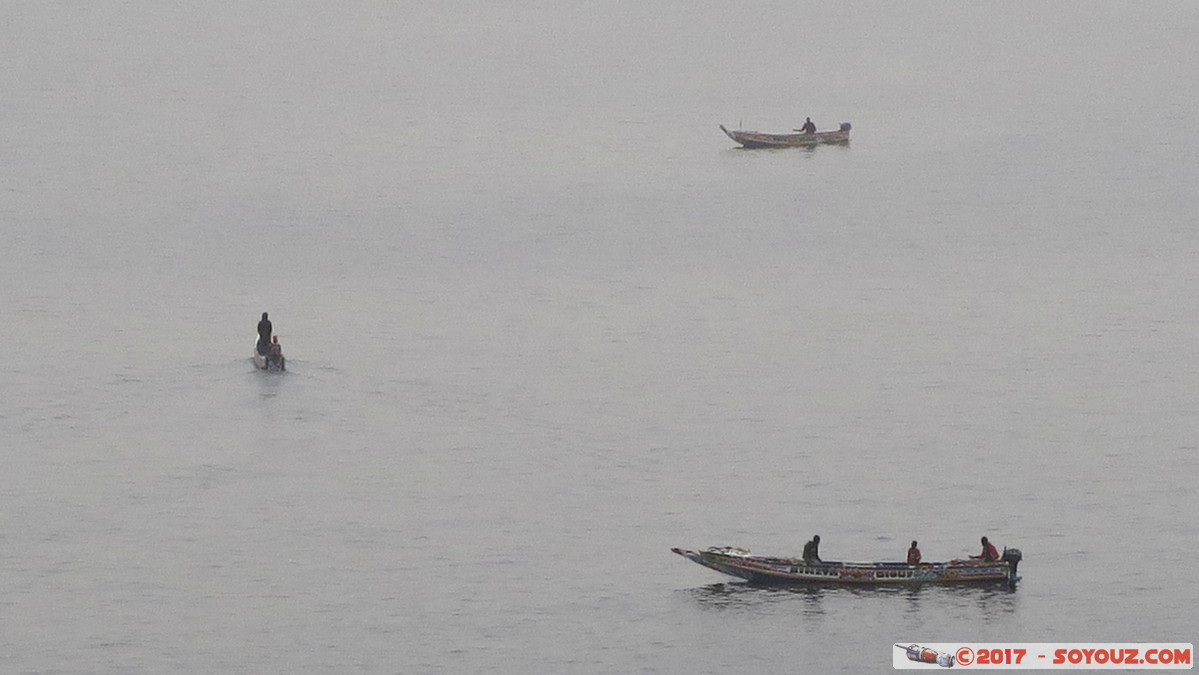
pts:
pixel 545 322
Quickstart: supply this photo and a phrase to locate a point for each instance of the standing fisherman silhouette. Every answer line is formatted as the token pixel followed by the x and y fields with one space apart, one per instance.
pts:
pixel 264 335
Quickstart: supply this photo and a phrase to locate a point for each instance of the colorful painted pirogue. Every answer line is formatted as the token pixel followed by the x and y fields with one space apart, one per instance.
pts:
pixel 740 563
pixel 756 139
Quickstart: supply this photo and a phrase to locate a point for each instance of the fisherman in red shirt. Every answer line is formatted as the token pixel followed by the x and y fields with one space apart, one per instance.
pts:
pixel 989 553
pixel 913 554
pixel 276 356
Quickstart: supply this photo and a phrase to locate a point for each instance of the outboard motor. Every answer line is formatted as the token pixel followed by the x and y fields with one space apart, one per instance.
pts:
pixel 845 126
pixel 1012 557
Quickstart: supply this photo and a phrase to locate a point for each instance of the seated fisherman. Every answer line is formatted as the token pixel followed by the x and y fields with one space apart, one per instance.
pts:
pixel 989 553
pixel 811 551
pixel 913 554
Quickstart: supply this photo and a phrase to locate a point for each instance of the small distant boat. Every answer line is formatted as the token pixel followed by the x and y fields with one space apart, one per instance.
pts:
pixel 273 360
pixel 754 139
pixel 738 562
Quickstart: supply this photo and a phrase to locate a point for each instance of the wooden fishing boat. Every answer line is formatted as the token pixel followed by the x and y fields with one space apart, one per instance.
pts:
pixel 754 139
pixel 739 562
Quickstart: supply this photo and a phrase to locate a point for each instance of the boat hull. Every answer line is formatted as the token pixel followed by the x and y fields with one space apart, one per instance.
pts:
pixel 755 139
pixel 760 569
pixel 271 362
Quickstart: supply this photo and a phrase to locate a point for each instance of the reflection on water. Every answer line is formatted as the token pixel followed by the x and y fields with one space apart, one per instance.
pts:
pixel 987 600
pixel 743 596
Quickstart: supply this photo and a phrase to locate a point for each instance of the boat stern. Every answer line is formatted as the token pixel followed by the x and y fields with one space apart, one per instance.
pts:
pixel 1012 556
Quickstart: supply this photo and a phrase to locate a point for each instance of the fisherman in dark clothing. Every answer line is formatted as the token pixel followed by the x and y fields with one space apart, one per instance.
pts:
pixel 811 551
pixel 808 127
pixel 264 335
